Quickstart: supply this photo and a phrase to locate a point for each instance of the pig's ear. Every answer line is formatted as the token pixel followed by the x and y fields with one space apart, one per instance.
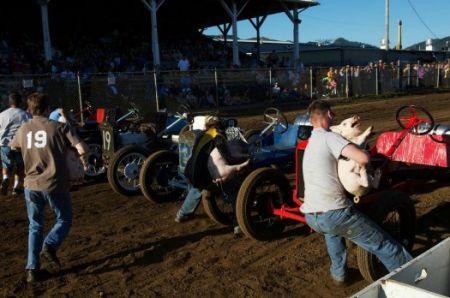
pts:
pixel 336 129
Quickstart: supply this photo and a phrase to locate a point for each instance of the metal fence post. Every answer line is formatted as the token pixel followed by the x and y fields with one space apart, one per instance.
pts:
pixel 156 90
pixel 376 80
pixel 216 84
pixel 438 76
pixel 80 98
pixel 417 74
pixel 409 74
pixel 399 75
pixel 346 82
pixel 311 82
pixel 270 83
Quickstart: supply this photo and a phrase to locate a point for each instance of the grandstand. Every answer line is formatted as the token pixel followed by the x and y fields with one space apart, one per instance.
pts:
pixel 159 22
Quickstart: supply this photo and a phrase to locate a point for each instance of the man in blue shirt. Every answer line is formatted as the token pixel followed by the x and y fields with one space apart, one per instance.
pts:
pixel 10 121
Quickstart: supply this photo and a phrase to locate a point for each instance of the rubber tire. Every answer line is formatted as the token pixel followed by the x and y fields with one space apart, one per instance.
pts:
pixel 117 156
pixel 387 202
pixel 99 143
pixel 242 200
pixel 148 193
pixel 209 199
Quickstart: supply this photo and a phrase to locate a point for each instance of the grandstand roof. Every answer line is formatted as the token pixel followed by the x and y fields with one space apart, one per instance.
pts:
pixel 207 13
pixel 78 17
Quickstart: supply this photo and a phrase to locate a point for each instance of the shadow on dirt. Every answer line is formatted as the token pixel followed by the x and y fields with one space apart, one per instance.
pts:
pixel 433 227
pixel 148 253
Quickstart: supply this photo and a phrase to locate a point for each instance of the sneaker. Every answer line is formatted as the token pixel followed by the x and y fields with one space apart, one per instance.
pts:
pixel 4 187
pixel 339 282
pixel 48 255
pixel 181 218
pixel 17 191
pixel 32 275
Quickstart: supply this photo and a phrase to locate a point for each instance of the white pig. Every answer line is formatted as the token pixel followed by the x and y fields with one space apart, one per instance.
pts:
pixel 353 177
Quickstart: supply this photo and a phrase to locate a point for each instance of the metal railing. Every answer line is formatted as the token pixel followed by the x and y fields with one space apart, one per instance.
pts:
pixel 214 88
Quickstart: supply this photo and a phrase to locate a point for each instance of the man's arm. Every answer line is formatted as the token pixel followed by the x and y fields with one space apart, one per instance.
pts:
pixel 15 143
pixel 83 151
pixel 79 144
pixel 352 152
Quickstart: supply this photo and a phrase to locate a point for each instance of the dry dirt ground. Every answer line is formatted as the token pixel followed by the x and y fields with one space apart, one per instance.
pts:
pixel 122 246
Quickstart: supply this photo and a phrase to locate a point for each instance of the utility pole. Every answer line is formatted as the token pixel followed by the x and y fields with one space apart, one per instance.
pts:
pixel 386 36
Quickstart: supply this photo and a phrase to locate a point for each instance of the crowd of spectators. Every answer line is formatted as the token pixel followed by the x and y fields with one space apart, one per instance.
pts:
pixel 119 52
pixel 386 77
pixel 196 83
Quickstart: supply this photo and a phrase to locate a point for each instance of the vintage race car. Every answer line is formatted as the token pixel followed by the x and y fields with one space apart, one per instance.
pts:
pixel 162 179
pixel 128 141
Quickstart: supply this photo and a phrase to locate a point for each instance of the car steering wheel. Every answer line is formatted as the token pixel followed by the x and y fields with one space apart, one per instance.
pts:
pixel 275 117
pixel 413 121
pixel 183 111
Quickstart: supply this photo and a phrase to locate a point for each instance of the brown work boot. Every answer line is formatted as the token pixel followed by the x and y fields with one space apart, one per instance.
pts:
pixel 32 276
pixel 49 258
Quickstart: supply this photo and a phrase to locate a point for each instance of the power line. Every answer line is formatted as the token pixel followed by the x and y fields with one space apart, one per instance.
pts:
pixel 423 22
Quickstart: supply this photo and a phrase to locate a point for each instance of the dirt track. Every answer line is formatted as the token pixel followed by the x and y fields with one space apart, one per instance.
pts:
pixel 129 247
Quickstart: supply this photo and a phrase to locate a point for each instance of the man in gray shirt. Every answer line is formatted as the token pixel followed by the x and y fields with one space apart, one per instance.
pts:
pixel 327 209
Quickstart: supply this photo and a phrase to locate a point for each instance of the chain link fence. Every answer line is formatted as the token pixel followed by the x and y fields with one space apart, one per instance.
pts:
pixel 210 89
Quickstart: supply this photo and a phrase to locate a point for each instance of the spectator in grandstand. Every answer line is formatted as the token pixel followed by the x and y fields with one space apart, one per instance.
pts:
pixel 44 144
pixel 326 207
pixel 10 121
pixel 447 70
pixel 421 71
pixel 183 64
pixel 112 83
pixel 67 74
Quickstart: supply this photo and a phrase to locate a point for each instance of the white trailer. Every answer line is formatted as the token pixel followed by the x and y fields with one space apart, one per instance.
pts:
pixel 428 275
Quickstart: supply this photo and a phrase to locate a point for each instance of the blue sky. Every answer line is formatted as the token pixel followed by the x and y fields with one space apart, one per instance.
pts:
pixel 358 20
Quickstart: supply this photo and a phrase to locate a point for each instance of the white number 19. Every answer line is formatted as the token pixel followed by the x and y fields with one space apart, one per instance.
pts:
pixel 40 138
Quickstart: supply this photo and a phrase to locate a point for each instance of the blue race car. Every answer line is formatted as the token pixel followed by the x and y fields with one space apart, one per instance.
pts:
pixel 162 174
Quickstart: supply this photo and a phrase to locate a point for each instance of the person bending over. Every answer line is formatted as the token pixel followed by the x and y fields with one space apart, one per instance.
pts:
pixel 327 209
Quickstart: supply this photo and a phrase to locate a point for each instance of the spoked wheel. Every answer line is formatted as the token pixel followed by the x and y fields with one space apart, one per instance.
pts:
pixel 158 171
pixel 252 135
pixel 263 190
pixel 217 208
pixel 123 171
pixel 395 213
pixel 96 166
pixel 416 118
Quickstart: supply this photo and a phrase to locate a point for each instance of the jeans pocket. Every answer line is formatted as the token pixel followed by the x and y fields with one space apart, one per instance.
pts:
pixel 311 220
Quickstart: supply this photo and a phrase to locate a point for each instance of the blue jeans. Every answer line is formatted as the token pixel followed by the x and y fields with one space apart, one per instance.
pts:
pixel 191 202
pixel 10 159
pixel 357 227
pixel 61 204
pixel 194 197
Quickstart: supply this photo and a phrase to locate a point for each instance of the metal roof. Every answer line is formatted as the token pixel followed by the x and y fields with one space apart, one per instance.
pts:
pixel 207 13
pixel 103 16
